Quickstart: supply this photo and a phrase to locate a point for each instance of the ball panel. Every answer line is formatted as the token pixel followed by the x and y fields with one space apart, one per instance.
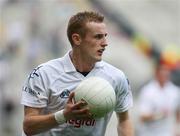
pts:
pixel 99 95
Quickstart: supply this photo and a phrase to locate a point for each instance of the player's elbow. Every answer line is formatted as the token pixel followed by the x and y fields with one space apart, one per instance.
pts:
pixel 27 128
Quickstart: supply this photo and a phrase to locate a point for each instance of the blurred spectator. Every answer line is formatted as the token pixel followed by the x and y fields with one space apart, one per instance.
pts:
pixel 35 44
pixel 14 36
pixel 3 81
pixel 6 103
pixel 55 41
pixel 171 57
pixel 158 105
pixel 34 51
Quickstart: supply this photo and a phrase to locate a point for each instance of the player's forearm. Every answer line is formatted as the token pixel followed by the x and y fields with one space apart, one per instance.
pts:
pixel 178 116
pixel 177 124
pixel 147 118
pixel 38 123
pixel 125 128
pixel 152 117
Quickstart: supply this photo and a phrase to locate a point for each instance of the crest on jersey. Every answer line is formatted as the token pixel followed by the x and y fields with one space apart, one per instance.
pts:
pixel 65 93
pixel 34 73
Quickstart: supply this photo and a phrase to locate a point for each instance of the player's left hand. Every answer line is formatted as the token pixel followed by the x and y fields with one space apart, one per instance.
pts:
pixel 76 110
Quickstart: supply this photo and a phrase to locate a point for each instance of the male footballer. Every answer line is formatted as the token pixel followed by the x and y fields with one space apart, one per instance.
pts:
pixel 48 93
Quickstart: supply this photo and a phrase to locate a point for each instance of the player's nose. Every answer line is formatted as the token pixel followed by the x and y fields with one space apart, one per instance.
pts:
pixel 104 43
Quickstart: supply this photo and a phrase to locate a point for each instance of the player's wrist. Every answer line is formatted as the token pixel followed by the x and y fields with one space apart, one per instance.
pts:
pixel 159 116
pixel 59 117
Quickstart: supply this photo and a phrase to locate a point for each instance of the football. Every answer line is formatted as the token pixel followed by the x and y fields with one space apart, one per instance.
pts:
pixel 99 95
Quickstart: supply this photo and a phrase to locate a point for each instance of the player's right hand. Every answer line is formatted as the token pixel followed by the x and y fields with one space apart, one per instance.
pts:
pixel 76 110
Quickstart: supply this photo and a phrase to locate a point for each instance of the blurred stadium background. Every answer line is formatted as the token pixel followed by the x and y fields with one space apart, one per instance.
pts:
pixel 34 31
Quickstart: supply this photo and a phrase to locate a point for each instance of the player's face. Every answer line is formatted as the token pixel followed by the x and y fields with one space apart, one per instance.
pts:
pixel 163 74
pixel 94 42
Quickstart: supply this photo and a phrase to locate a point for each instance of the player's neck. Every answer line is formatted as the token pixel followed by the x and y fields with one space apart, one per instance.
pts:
pixel 80 62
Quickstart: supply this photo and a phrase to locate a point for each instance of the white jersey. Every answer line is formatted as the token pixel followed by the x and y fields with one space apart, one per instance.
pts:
pixel 154 100
pixel 49 85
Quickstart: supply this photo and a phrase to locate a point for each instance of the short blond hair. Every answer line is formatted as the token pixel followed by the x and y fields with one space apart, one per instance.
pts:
pixel 77 23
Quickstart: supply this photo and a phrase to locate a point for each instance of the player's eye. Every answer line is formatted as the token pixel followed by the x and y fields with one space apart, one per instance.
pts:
pixel 99 36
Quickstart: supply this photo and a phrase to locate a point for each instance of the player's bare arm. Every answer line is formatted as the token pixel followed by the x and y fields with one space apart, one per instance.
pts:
pixel 35 122
pixel 153 116
pixel 125 127
pixel 177 124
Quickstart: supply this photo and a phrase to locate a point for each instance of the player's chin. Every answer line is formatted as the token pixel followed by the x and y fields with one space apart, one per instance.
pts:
pixel 99 58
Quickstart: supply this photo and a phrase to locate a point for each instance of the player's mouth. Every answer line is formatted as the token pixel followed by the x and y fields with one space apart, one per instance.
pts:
pixel 100 52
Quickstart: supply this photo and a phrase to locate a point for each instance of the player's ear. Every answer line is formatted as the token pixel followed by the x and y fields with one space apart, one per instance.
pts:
pixel 76 39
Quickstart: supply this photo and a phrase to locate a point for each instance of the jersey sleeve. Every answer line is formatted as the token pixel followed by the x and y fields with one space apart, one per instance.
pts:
pixel 124 99
pixel 34 92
